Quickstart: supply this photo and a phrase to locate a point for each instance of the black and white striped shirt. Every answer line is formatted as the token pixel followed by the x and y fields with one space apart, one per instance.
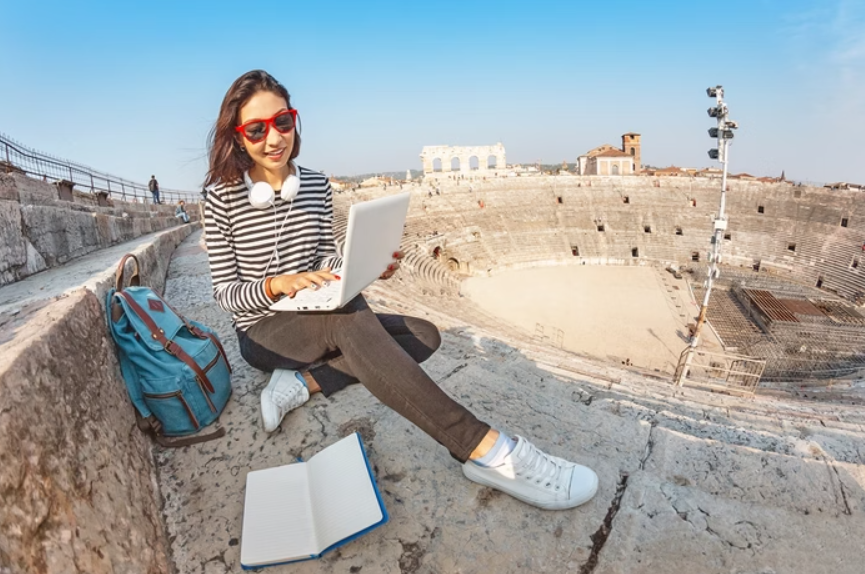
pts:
pixel 245 245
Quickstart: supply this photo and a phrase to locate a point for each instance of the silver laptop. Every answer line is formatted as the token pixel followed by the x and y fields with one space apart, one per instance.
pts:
pixel 374 232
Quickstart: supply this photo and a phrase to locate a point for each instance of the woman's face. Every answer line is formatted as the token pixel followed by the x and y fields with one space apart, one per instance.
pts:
pixel 273 151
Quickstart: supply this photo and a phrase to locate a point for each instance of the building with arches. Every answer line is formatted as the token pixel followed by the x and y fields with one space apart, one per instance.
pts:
pixel 482 160
pixel 609 160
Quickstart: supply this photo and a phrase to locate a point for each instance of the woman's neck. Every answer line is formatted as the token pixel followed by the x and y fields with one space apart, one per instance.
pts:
pixel 273 178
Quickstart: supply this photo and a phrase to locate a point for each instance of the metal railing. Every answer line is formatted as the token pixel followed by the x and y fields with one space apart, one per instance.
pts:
pixel 727 372
pixel 15 157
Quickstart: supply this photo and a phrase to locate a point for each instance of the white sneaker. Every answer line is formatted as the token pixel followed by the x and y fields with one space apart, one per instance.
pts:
pixel 536 478
pixel 283 394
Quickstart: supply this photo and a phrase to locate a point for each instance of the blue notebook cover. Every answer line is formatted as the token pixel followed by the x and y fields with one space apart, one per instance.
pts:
pixel 347 539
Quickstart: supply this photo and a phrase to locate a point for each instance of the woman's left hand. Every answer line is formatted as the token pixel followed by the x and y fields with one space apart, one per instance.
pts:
pixel 391 269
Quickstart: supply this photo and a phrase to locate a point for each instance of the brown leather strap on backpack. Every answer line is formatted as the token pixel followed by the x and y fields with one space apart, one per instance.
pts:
pixel 202 335
pixel 135 280
pixel 151 426
pixel 172 348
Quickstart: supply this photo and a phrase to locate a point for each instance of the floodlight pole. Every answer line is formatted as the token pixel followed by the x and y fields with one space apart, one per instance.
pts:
pixel 724 134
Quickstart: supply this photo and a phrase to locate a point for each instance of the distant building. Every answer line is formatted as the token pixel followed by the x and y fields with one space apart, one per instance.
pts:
pixel 609 160
pixel 671 171
pixel 463 159
pixel 710 172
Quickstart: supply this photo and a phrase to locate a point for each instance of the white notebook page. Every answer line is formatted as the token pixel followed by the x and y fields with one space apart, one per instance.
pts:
pixel 343 497
pixel 277 516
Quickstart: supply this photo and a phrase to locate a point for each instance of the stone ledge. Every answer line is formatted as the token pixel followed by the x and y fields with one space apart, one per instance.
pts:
pixel 38 231
pixel 77 479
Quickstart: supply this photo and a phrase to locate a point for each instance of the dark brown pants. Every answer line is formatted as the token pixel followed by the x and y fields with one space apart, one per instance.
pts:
pixel 381 352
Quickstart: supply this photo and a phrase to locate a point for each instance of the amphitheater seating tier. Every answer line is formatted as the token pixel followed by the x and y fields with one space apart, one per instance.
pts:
pixel 522 221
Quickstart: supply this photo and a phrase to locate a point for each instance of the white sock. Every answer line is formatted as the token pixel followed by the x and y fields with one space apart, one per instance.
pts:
pixel 496 456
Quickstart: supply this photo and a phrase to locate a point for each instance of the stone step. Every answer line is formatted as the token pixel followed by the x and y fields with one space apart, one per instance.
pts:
pixel 747 475
pixel 770 434
pixel 753 431
pixel 661 526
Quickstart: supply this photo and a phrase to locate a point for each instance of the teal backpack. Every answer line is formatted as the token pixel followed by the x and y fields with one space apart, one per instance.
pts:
pixel 175 370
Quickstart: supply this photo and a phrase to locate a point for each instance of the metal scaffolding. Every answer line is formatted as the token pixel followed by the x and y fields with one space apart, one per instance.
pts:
pixel 823 344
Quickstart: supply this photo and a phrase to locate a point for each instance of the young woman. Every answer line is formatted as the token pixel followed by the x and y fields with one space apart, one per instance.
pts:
pixel 268 227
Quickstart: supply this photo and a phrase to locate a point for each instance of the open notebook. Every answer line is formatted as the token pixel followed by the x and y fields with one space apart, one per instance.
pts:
pixel 300 511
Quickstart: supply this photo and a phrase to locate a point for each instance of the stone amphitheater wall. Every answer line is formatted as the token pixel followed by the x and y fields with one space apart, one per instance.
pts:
pixel 794 232
pixel 39 231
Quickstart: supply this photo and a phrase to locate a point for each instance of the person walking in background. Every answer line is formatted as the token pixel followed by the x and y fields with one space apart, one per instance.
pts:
pixel 154 188
pixel 180 211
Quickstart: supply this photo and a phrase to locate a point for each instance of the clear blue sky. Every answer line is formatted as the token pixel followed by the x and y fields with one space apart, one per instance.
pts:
pixel 134 90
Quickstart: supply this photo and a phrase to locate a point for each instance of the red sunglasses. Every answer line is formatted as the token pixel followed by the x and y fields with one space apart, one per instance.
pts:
pixel 256 130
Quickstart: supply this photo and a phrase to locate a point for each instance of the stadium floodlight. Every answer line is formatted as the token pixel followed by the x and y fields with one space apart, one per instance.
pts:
pixel 724 133
pixel 713 92
pixel 718 133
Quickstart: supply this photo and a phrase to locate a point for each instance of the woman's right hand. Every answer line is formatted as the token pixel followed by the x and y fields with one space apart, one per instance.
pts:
pixel 289 285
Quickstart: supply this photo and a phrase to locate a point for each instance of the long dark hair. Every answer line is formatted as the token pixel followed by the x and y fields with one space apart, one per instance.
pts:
pixel 227 160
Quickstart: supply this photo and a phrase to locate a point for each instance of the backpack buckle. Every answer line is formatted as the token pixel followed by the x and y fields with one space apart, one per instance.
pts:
pixel 170 348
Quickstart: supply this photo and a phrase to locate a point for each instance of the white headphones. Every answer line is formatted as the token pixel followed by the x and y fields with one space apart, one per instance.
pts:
pixel 261 194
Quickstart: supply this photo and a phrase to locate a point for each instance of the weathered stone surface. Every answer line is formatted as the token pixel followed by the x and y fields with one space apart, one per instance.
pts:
pixel 744 474
pixel 60 234
pixel 94 271
pixel 440 522
pixel 39 231
pixel 75 475
pixel 13 249
pixel 8 188
pixel 663 527
pixel 851 478
pixel 77 483
pixel 709 483
pixel 34 192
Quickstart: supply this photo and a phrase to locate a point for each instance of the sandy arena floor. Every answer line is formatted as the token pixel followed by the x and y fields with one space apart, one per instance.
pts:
pixel 612 313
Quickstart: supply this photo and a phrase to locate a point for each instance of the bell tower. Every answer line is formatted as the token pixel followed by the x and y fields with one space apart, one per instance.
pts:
pixel 631 146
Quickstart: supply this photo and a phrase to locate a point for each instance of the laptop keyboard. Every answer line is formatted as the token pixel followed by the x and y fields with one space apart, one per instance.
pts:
pixel 322 295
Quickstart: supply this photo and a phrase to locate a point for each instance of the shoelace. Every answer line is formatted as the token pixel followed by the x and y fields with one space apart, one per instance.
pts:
pixel 542 468
pixel 283 399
